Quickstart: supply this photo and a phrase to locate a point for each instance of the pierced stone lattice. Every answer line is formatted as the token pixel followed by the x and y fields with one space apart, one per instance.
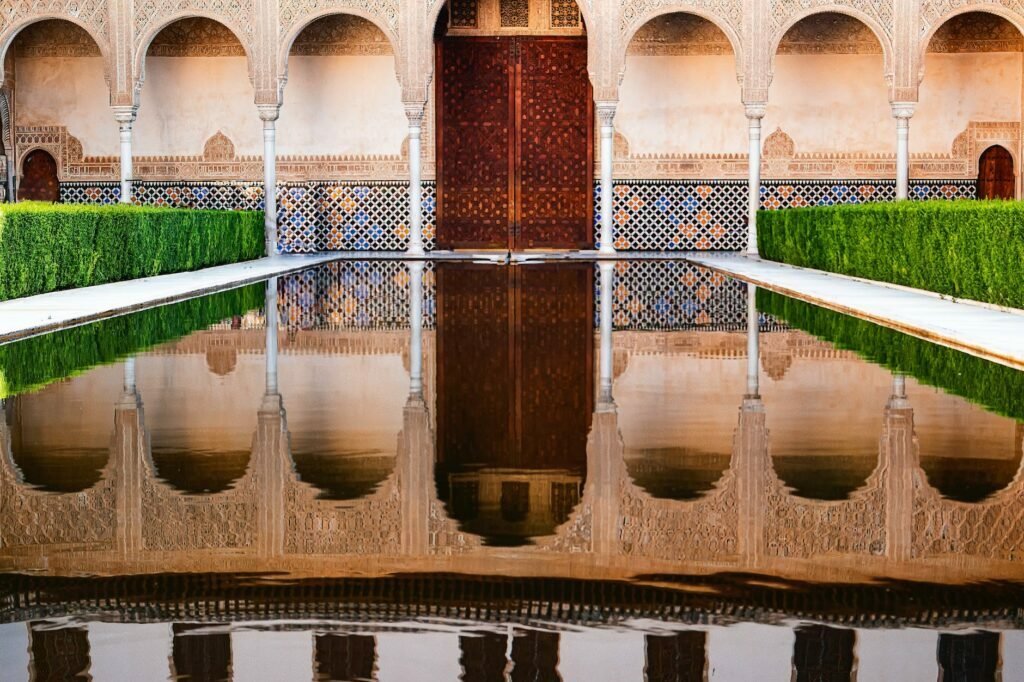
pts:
pixel 347 216
pixel 352 295
pixel 463 13
pixel 515 13
pixel 565 14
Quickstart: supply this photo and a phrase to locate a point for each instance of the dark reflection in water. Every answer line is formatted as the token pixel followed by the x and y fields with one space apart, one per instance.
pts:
pixel 562 472
pixel 515 390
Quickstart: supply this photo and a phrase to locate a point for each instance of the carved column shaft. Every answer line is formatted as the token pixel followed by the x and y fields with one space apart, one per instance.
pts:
pixel 902 111
pixel 606 115
pixel 414 112
pixel 125 117
pixel 755 112
pixel 269 115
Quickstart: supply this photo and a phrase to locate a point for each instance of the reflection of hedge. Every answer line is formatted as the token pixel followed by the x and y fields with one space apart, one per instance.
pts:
pixel 35 362
pixel 995 386
pixel 47 247
pixel 966 249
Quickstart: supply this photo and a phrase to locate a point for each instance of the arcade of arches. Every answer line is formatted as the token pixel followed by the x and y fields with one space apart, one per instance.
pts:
pixel 591 125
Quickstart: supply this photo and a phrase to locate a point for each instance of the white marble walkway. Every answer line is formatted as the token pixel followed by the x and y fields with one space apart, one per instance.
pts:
pixel 982 330
pixel 32 315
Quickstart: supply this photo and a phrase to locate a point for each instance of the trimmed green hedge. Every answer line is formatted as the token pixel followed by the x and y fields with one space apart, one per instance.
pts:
pixel 47 247
pixel 31 364
pixel 994 386
pixel 966 249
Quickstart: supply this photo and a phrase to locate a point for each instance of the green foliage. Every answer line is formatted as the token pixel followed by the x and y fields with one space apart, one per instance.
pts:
pixel 48 247
pixel 966 249
pixel 992 385
pixel 31 364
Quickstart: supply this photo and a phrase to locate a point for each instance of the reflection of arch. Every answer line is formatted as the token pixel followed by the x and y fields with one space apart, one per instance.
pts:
pixel 221 360
pixel 48 469
pixel 194 471
pixel 676 473
pixel 872 24
pixel 986 8
pixel 726 30
pixel 827 478
pixel 997 177
pixel 147 40
pixel 299 26
pixel 40 178
pixel 343 476
pixel 974 480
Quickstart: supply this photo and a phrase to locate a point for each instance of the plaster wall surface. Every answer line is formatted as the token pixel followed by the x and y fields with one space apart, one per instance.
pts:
pixel 67 91
pixel 958 88
pixel 342 105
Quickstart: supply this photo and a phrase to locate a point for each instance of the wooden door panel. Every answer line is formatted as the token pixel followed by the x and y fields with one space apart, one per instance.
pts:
pixel 555 140
pixel 39 180
pixel 996 177
pixel 475 132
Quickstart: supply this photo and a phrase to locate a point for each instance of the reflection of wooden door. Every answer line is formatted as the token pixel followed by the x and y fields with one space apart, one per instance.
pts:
pixel 514 143
pixel 515 365
pixel 39 178
pixel 996 179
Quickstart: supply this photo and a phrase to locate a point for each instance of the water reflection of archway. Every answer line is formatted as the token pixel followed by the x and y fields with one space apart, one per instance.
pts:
pixel 73 457
pixel 514 396
pixel 344 413
pixel 200 420
pixel 677 423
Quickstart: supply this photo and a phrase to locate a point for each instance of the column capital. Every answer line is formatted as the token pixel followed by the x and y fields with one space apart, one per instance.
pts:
pixel 269 112
pixel 903 111
pixel 755 111
pixel 415 112
pixel 606 112
pixel 125 114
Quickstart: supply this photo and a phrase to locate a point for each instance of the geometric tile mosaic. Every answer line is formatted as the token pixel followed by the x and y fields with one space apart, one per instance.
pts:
pixel 350 295
pixel 649 215
pixel 347 216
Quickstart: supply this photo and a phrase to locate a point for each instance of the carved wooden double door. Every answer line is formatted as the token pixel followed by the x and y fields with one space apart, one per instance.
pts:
pixel 514 143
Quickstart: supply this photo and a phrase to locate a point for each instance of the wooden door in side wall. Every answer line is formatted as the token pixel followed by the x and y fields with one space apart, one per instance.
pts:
pixel 996 178
pixel 475 165
pixel 39 181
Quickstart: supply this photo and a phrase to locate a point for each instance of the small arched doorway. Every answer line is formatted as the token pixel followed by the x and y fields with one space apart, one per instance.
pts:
pixel 39 181
pixel 996 177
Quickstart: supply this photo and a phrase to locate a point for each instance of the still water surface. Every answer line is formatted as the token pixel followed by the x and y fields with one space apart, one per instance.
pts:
pixel 381 471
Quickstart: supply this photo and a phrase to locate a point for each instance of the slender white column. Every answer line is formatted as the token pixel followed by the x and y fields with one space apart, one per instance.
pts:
pixel 269 114
pixel 606 115
pixel 416 328
pixel 605 400
pixel 12 195
pixel 270 314
pixel 414 112
pixel 125 116
pixel 902 112
pixel 755 112
pixel 753 344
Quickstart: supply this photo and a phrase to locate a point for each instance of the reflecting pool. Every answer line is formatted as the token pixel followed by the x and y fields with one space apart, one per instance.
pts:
pixel 454 471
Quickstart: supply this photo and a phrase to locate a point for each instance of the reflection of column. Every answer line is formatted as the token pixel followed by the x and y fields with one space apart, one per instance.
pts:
pixel 755 112
pixel 416 328
pixel 414 112
pixel 753 343
pixel 200 656
pixel 750 448
pixel 129 450
pixel 269 115
pixel 902 111
pixel 270 316
pixel 898 460
pixel 606 114
pixel 125 116
pixel 605 400
pixel 823 653
pixel 338 656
